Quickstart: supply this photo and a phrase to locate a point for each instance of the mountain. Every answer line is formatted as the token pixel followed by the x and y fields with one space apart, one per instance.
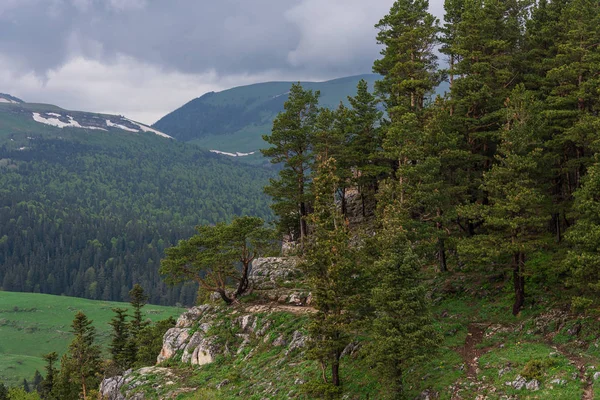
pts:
pixel 18 116
pixel 233 121
pixel 88 202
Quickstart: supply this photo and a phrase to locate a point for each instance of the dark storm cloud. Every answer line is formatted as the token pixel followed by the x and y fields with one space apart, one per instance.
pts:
pixel 193 36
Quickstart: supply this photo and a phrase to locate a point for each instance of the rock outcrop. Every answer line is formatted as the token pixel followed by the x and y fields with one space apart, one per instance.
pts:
pixel 205 332
pixel 189 337
pixel 272 272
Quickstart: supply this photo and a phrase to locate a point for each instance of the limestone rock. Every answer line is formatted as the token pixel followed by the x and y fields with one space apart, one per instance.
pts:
pixel 298 341
pixel 267 272
pixel 280 341
pixel 110 388
pixel 175 339
pixel 596 376
pixel 123 386
pixel 559 382
pixel 188 318
pixel 533 384
pixel 199 350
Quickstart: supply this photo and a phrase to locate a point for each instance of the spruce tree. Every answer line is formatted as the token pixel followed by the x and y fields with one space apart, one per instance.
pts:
pixel 48 382
pixel 332 269
pixel 120 338
pixel 365 145
pixel 83 359
pixel 517 216
pixel 402 331
pixel 573 104
pixel 36 383
pixel 291 141
pixel 583 258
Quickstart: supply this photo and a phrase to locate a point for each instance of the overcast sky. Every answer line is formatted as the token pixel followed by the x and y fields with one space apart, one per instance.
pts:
pixel 144 58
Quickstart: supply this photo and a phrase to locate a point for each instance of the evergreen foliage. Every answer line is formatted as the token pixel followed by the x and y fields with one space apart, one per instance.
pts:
pixel 89 218
pixel 120 339
pixel 211 257
pixel 331 266
pixel 292 143
pixel 80 367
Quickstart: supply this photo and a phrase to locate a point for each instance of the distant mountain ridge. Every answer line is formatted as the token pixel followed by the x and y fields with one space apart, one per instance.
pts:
pixel 89 202
pixel 7 98
pixel 234 120
pixel 27 115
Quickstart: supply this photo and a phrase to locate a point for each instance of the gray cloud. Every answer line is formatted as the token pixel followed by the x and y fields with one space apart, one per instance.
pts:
pixel 86 53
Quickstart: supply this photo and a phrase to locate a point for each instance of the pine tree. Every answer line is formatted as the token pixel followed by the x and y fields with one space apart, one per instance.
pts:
pixel 332 269
pixel 408 66
pixel 365 145
pixel 486 36
pixel 572 105
pixel 120 338
pixel 516 217
pixel 292 140
pixel 48 382
pixel 3 392
pixel 584 257
pixel 83 361
pixel 402 330
pixel 36 383
pixel 211 257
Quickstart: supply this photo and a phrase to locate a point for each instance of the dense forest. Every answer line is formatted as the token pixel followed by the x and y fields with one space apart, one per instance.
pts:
pixel 497 177
pixel 90 218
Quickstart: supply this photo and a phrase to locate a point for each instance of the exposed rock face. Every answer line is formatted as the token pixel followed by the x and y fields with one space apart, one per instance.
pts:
pixel 124 386
pixel 196 348
pixel 269 272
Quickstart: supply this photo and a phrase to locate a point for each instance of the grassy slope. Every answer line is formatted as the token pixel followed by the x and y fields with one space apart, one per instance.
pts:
pixel 259 98
pixel 35 324
pixel 483 347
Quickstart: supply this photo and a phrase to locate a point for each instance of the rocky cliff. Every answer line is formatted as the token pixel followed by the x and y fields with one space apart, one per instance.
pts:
pixel 210 338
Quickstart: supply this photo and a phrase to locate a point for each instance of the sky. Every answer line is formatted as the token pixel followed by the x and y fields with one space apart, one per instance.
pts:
pixel 145 58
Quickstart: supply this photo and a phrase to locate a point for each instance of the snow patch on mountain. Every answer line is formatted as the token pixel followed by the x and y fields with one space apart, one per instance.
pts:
pixel 119 126
pixel 3 100
pixel 236 154
pixel 148 129
pixel 37 117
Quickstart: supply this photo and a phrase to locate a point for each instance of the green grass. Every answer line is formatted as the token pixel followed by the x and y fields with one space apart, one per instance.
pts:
pixel 35 324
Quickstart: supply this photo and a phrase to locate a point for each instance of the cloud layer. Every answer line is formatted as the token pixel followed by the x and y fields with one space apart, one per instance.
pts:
pixel 143 58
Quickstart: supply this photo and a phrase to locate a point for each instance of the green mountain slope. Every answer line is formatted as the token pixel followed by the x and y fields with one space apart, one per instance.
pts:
pixel 234 120
pixel 35 324
pixel 88 210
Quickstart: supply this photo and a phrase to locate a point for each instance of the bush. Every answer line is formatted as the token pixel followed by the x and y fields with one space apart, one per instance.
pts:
pixel 534 369
pixel 580 304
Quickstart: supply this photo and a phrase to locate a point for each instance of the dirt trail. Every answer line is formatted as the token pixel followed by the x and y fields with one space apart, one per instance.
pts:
pixel 470 352
pixel 580 362
pixel 274 307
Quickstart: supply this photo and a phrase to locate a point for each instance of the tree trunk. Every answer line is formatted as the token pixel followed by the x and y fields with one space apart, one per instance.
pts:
pixel 224 296
pixel 243 283
pixel 335 369
pixel 83 387
pixel 518 260
pixel 442 255
pixel 302 224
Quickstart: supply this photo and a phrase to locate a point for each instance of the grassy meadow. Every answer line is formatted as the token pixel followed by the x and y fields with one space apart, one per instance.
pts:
pixel 34 324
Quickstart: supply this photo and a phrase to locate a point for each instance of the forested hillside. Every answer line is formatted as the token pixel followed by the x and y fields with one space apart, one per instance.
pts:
pixel 234 120
pixel 89 212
